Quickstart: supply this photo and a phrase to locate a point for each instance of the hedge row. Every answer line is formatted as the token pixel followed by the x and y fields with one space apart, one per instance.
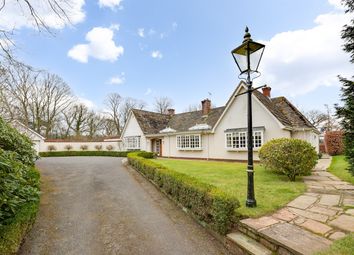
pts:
pixel 334 142
pixel 206 202
pixel 19 188
pixel 83 153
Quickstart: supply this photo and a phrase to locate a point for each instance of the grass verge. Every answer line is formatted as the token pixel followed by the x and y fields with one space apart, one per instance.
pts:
pixel 83 153
pixel 272 190
pixel 339 167
pixel 344 246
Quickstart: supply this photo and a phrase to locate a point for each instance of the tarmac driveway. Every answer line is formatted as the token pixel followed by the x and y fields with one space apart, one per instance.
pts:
pixel 94 205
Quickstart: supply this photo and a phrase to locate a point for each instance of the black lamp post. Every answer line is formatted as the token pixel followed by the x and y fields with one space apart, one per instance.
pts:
pixel 247 57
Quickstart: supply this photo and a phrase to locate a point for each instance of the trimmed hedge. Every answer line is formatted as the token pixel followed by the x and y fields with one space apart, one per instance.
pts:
pixel 83 153
pixel 206 202
pixel 334 142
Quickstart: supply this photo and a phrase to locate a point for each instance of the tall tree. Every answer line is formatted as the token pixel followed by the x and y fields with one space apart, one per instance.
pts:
pixel 113 102
pixel 316 117
pixel 161 104
pixel 346 111
pixel 128 104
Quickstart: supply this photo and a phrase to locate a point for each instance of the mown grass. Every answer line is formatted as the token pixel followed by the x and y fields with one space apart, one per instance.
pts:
pixel 344 246
pixel 272 191
pixel 339 167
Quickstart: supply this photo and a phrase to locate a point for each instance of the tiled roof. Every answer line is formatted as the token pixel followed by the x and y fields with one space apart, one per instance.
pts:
pixel 151 122
pixel 183 121
pixel 296 118
pixel 280 107
pixel 268 103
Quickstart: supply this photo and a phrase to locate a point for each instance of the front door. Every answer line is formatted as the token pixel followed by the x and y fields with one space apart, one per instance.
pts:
pixel 158 147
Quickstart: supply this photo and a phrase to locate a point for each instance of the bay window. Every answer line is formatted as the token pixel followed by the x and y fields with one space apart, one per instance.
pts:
pixel 189 142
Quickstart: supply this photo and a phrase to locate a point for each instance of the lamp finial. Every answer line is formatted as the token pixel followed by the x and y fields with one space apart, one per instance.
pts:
pixel 247 36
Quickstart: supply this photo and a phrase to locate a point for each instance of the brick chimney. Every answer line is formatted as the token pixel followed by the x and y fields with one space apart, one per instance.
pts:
pixel 171 112
pixel 266 91
pixel 206 106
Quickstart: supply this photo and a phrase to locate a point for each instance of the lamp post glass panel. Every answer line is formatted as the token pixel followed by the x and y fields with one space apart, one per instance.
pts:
pixel 247 57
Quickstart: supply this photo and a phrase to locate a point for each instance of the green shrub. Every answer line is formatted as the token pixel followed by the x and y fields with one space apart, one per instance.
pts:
pixel 19 184
pixel 52 148
pixel 12 140
pixel 83 153
pixel 291 157
pixel 206 202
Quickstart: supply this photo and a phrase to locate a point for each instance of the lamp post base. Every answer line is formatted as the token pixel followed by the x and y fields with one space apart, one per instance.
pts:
pixel 251 203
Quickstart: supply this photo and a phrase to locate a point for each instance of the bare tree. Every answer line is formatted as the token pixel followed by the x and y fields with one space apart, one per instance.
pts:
pixel 30 9
pixel 161 104
pixel 109 127
pixel 36 98
pixel 95 124
pixel 331 123
pixel 128 104
pixel 113 102
pixel 316 117
pixel 193 108
pixel 76 119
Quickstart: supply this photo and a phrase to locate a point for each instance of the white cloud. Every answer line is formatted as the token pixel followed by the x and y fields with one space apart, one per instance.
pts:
pixel 16 15
pixel 297 62
pixel 114 27
pixel 118 79
pixel 87 102
pixel 337 4
pixel 141 32
pixel 156 54
pixel 100 46
pixel 113 4
pixel 148 92
pixel 174 25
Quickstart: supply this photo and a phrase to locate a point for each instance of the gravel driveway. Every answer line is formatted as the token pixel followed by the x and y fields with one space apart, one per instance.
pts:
pixel 94 205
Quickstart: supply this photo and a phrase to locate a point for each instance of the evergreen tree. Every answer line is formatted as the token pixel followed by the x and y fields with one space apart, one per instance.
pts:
pixel 346 112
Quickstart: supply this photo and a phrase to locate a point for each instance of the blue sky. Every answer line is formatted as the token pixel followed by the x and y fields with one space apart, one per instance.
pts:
pixel 181 49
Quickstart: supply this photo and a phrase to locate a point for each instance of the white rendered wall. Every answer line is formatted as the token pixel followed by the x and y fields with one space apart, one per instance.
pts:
pixel 133 129
pixel 60 146
pixel 308 136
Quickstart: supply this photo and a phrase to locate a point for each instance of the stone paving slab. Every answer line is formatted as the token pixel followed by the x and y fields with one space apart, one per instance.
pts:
pixel 295 238
pixel 284 214
pixel 330 200
pixel 337 235
pixel 302 202
pixel 316 227
pixel 344 222
pixel 322 210
pixel 260 222
pixel 309 215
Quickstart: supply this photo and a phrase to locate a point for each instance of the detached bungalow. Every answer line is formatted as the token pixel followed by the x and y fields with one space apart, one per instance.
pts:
pixel 217 133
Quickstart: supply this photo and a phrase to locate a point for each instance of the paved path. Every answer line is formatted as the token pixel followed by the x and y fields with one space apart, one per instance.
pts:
pixel 311 221
pixel 94 205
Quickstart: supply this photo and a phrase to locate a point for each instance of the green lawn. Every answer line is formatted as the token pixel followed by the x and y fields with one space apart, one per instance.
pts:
pixel 272 191
pixel 338 167
pixel 344 246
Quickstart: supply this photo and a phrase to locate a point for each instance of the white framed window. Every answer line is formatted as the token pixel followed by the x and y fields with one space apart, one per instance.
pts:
pixel 132 142
pixel 238 140
pixel 189 142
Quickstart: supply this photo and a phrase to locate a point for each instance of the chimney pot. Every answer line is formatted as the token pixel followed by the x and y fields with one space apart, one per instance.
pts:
pixel 171 112
pixel 206 106
pixel 266 91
